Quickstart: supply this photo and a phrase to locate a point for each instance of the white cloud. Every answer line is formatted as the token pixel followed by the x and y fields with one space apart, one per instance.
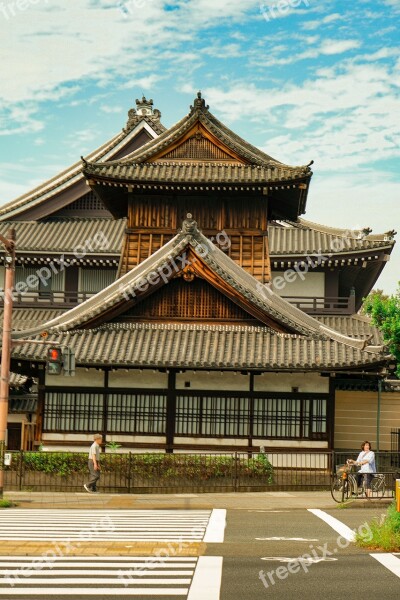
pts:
pixel 338 46
pixel 111 109
pixel 368 198
pixel 347 116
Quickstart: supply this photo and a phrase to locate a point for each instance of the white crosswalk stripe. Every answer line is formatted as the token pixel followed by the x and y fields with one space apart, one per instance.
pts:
pixel 104 577
pixel 389 560
pixel 79 526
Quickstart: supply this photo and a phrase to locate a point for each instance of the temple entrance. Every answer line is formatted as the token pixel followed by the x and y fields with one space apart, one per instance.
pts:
pixel 14 436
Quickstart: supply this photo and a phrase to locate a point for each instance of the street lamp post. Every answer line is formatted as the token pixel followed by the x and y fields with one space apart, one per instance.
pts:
pixel 9 245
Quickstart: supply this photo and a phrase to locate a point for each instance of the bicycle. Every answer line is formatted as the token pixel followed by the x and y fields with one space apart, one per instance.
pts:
pixel 344 486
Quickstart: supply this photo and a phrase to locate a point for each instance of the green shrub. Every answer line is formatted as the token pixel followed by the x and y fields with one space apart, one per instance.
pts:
pixel 150 466
pixel 385 533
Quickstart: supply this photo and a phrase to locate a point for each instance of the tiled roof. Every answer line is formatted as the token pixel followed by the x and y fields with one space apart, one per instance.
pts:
pixel 68 234
pixel 201 346
pixel 260 297
pixel 199 113
pixel 143 166
pixel 23 404
pixel 199 174
pixel 305 237
pixel 65 234
pixel 73 174
pixel 26 318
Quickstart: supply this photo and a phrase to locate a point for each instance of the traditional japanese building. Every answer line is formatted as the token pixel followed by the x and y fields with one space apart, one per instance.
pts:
pixel 204 311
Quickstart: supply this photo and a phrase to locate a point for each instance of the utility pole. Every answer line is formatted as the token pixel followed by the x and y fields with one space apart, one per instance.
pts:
pixel 9 261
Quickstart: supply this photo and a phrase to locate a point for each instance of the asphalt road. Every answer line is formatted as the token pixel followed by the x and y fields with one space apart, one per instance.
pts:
pixel 256 568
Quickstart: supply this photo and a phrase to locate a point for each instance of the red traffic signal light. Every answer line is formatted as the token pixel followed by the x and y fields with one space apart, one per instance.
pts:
pixel 54 360
pixel 54 354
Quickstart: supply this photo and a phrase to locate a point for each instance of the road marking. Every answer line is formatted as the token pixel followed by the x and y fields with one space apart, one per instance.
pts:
pixel 206 582
pixel 98 591
pixel 286 539
pixel 389 561
pixel 98 576
pixel 216 526
pixel 347 533
pixel 301 559
pixel 128 525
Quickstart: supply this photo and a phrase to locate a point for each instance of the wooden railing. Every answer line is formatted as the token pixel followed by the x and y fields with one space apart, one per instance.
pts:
pixel 339 305
pixel 36 299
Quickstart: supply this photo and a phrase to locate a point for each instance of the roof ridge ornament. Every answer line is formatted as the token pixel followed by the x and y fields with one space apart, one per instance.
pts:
pixel 144 110
pixel 189 225
pixel 199 105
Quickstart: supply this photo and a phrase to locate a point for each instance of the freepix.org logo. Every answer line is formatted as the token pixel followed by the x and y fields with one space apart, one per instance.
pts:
pixel 272 10
pixel 12 8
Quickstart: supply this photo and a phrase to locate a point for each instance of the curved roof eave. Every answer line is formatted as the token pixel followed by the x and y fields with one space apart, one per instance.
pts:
pixel 261 296
pixel 71 175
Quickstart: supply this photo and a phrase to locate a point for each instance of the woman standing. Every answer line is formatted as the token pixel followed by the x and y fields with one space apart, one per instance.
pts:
pixel 366 460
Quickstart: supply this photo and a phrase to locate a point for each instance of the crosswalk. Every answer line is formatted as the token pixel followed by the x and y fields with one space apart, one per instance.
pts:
pixel 118 525
pixel 389 560
pixel 104 577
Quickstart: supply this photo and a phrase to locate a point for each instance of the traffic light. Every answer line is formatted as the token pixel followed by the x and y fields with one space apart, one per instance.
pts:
pixel 69 361
pixel 54 360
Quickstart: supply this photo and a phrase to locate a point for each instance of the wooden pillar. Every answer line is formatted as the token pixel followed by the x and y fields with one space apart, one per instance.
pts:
pixel 330 414
pixel 105 407
pixel 171 411
pixel 251 409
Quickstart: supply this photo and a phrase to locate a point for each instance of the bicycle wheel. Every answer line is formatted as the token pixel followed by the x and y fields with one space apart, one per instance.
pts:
pixel 378 487
pixel 340 489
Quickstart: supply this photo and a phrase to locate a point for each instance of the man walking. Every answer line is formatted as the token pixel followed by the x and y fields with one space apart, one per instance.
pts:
pixel 94 464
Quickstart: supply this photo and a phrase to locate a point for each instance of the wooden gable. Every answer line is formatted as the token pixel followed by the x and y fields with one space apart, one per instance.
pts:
pixel 198 144
pixel 193 300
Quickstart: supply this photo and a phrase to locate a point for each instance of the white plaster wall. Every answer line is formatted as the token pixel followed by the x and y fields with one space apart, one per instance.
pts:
pixel 213 380
pixel 137 379
pixel 313 284
pixel 283 382
pixel 210 441
pixel 83 378
pixel 16 419
pixel 270 444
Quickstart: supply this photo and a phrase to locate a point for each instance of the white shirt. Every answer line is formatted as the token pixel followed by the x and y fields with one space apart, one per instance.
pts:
pixel 369 467
pixel 94 451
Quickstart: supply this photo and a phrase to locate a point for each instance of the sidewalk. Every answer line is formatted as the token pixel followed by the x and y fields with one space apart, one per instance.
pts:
pixel 229 500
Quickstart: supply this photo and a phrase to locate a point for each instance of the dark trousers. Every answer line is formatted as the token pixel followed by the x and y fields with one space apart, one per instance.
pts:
pixel 94 476
pixel 368 479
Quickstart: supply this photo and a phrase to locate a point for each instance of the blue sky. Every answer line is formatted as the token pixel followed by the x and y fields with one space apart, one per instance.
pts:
pixel 301 79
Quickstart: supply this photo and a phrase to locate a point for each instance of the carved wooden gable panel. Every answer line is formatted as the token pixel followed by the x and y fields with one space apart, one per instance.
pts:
pixel 198 148
pixel 193 300
pixel 201 145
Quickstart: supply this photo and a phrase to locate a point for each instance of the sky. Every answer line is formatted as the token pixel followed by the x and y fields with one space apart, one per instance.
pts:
pixel 301 79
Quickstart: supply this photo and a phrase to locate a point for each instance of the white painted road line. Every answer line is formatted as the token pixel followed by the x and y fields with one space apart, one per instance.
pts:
pixel 216 526
pixel 342 529
pixel 389 561
pixel 123 576
pixel 136 525
pixel 95 591
pixel 206 584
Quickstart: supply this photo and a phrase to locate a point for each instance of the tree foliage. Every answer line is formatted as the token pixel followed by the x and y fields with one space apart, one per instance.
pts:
pixel 385 314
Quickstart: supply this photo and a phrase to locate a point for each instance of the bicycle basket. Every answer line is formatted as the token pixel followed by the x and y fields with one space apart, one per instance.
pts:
pixel 342 469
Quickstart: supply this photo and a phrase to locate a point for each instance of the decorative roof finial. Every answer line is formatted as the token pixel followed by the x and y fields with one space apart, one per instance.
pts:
pixel 189 225
pixel 199 104
pixel 144 109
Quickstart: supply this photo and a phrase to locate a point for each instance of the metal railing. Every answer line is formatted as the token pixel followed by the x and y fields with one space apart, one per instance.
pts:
pixel 159 472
